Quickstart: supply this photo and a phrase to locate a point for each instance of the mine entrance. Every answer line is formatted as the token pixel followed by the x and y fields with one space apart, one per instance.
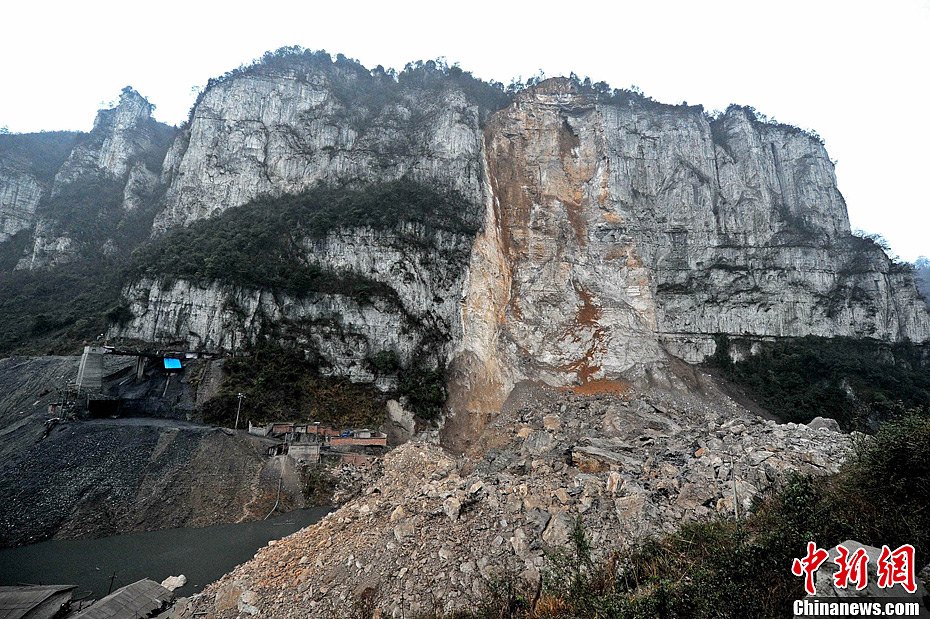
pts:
pixel 103 408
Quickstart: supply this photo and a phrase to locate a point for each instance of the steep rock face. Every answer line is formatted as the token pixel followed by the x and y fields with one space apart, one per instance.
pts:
pixel 282 133
pixel 20 193
pixel 579 302
pixel 764 247
pixel 922 278
pixel 614 227
pixel 418 316
pixel 631 219
pixel 28 163
pixel 111 171
pixel 121 135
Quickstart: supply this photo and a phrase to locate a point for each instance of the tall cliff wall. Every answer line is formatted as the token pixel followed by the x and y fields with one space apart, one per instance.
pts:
pixel 28 164
pixel 20 193
pixel 612 227
pixel 271 131
pixel 617 228
pixel 632 220
pixel 70 192
pixel 413 314
pixel 274 131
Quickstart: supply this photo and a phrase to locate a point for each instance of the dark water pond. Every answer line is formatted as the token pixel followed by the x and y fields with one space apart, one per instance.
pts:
pixel 203 555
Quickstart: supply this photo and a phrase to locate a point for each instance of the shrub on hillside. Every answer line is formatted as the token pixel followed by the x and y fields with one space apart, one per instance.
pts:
pixel 262 245
pixel 858 382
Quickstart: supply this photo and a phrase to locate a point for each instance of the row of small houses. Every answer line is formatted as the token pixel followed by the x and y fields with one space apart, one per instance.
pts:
pixel 308 443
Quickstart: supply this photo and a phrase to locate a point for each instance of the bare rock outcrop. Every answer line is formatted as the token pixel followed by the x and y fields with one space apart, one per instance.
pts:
pixel 20 193
pixel 270 131
pixel 66 204
pixel 612 229
pixel 617 230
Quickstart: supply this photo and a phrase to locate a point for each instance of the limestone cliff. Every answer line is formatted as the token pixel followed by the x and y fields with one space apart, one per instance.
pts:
pixel 416 321
pixel 19 196
pixel 579 236
pixel 275 130
pixel 28 164
pixel 120 138
pixel 680 226
pixel 74 201
pixel 270 130
pixel 619 227
pixel 613 228
pixel 922 277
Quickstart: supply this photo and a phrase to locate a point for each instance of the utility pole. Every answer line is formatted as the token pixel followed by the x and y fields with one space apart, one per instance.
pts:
pixel 735 496
pixel 239 409
pixel 112 578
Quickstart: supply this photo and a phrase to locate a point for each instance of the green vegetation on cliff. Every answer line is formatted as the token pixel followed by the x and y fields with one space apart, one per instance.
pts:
pixel 53 308
pixel 858 382
pixel 366 92
pixel 280 383
pixel 291 383
pixel 39 154
pixel 266 244
pixel 52 311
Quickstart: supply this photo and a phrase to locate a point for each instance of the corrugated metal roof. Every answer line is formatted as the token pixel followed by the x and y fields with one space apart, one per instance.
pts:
pixel 16 602
pixel 133 601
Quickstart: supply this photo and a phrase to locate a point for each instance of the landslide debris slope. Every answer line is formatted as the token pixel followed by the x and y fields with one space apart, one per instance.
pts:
pixel 436 531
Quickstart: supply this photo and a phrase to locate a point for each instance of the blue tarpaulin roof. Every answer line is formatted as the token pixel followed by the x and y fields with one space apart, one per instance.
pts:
pixel 172 364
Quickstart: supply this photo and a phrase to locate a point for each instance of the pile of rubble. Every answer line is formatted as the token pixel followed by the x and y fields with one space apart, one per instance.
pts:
pixel 435 529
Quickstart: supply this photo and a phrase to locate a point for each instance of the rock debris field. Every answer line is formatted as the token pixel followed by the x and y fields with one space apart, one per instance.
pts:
pixel 432 530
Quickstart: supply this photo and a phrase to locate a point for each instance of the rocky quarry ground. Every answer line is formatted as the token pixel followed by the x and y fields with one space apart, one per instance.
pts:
pixel 433 530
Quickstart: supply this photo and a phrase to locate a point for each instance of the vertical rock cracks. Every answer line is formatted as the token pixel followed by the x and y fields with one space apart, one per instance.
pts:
pixel 612 229
pixel 615 231
pixel 556 291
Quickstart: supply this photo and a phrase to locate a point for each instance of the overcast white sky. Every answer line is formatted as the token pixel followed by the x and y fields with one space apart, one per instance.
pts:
pixel 854 71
